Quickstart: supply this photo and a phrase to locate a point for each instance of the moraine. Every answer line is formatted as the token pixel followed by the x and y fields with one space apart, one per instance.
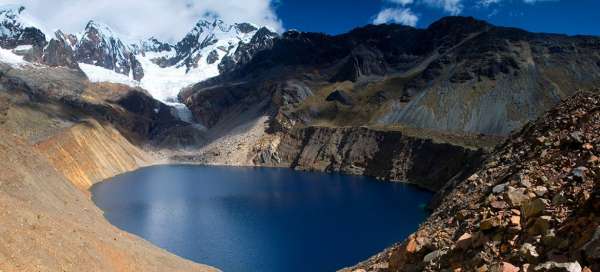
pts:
pixel 262 219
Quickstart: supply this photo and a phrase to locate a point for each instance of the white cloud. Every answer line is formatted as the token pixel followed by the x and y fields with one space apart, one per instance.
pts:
pixel 453 7
pixel 166 19
pixel 486 3
pixel 403 16
pixel 401 2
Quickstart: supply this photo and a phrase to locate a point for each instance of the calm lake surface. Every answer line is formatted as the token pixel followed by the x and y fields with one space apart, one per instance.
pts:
pixel 262 219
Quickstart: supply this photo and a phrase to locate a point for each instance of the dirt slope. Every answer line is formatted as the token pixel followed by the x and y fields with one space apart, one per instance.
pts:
pixel 47 224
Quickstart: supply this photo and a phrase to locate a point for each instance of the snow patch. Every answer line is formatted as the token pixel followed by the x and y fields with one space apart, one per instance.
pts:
pixel 101 74
pixel 12 59
pixel 165 84
pixel 23 48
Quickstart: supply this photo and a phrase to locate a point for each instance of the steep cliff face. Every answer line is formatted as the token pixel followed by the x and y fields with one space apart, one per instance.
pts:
pixel 388 155
pixel 533 206
pixel 90 152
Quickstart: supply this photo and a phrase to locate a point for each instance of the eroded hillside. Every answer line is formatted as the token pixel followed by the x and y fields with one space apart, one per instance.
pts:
pixel 61 134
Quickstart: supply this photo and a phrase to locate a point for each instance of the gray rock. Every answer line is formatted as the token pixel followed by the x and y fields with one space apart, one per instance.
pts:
pixel 540 190
pixel 579 172
pixel 558 267
pixel 592 247
pixel 500 188
pixel 434 255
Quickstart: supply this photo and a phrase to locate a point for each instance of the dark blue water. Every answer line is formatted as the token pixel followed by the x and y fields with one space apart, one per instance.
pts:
pixel 261 219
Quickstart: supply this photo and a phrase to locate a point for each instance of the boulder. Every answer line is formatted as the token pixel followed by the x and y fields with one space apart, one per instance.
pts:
pixel 533 207
pixel 500 188
pixel 516 196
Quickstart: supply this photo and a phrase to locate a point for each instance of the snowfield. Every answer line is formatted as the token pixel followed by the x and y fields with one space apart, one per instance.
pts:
pixel 101 74
pixel 164 84
pixel 12 59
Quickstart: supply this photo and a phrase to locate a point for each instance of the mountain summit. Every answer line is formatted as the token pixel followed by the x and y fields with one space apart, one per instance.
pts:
pixel 209 48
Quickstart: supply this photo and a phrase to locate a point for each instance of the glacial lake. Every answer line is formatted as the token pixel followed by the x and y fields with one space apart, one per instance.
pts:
pixel 262 219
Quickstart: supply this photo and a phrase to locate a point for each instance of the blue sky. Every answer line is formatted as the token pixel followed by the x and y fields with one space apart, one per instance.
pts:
pixel 170 20
pixel 338 16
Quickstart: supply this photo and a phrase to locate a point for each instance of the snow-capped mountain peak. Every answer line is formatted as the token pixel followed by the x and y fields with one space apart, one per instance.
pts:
pixel 99 45
pixel 211 47
pixel 18 29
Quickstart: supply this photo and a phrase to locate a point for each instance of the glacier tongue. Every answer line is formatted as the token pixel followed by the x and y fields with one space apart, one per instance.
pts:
pixel 165 84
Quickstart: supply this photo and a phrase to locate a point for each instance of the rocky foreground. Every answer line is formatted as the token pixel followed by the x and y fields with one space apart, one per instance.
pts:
pixel 533 206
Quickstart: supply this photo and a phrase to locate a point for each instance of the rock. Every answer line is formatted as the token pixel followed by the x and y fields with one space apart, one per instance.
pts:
pixel 516 196
pixel 577 136
pixel 540 225
pixel 529 252
pixel 434 255
pixel 508 267
pixel 340 96
pixel 550 239
pixel 540 190
pixel 515 220
pixel 411 246
pixel 533 207
pixel 558 267
pixel 592 247
pixel 524 181
pixel 498 205
pixel 559 199
pixel 473 177
pixel 464 241
pixel 499 188
pixel 588 146
pixel 489 223
pixel 579 172
pixel 359 270
pixel 59 53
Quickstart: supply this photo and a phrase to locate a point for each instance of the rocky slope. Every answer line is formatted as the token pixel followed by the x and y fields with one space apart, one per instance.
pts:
pixel 533 206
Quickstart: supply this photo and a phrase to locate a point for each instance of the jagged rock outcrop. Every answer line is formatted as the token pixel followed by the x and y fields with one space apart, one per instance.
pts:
pixel 100 46
pixel 15 31
pixel 263 39
pixel 59 52
pixel 388 155
pixel 361 62
pixel 531 207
